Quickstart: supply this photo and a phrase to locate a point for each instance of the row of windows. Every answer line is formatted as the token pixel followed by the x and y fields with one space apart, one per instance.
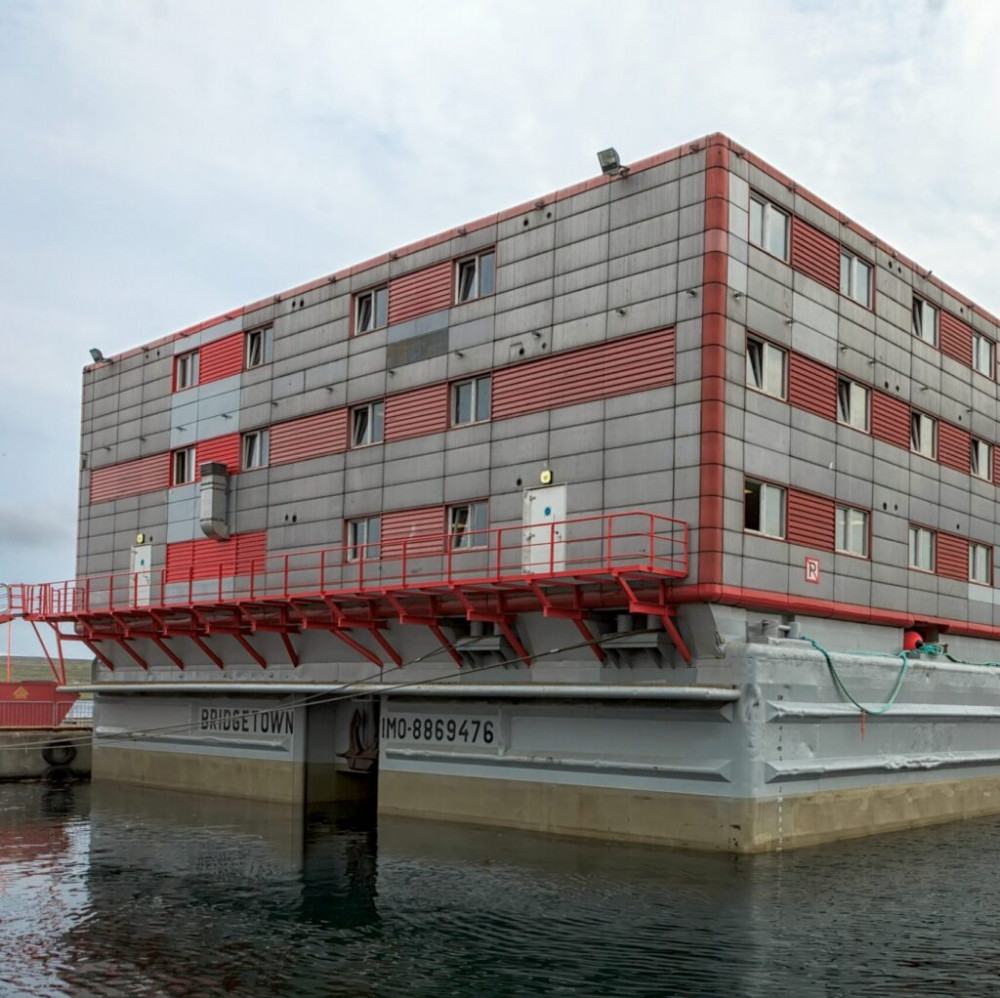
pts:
pixel 470 404
pixel 467 527
pixel 187 365
pixel 770 228
pixel 475 277
pixel 767 372
pixel 764 508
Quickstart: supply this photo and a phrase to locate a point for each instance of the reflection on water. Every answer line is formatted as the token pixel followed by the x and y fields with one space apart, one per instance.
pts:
pixel 111 891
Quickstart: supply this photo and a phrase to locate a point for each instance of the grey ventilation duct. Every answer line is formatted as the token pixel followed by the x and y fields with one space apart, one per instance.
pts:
pixel 213 513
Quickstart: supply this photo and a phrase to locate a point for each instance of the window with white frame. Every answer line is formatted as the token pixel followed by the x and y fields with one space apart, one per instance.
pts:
pixel 255 449
pixel 471 401
pixel 981 564
pixel 371 309
pixel 367 424
pixel 766 366
pixel 922 544
pixel 923 435
pixel 764 508
pixel 475 276
pixel 182 466
pixel 768 226
pixel 853 404
pixel 186 370
pixel 253 352
pixel 852 531
pixel 982 354
pixel 467 525
pixel 925 317
pixel 363 538
pixel 980 463
pixel 856 278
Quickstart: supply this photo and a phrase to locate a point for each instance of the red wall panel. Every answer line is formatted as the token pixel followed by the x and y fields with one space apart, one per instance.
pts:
pixel 954 447
pixel 221 358
pixel 616 368
pixel 208 559
pixel 225 450
pixel 952 556
pixel 416 413
pixel 955 338
pixel 420 293
pixel 131 478
pixel 816 254
pixel 812 386
pixel 404 524
pixel 996 465
pixel 810 520
pixel 310 436
pixel 890 420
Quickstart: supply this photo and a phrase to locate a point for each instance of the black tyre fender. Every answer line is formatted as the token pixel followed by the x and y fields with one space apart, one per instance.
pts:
pixel 59 753
pixel 58 776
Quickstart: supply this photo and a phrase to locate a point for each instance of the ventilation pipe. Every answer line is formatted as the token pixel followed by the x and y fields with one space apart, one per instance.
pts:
pixel 214 491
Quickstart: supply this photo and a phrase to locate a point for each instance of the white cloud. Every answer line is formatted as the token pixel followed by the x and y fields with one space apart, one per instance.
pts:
pixel 171 160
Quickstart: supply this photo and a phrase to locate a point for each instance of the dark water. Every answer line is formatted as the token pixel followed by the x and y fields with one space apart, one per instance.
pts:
pixel 112 892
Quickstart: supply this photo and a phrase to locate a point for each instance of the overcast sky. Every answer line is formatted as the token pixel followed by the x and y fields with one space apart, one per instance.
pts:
pixel 162 162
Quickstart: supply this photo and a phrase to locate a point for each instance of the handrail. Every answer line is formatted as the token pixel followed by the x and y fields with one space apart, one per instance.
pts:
pixel 602 544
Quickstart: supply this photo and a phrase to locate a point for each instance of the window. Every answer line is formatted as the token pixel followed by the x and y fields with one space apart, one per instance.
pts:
pixel 186 370
pixel 856 278
pixel 253 355
pixel 367 423
pixel 924 320
pixel 922 549
pixel 363 537
pixel 923 433
pixel 475 276
pixel 765 367
pixel 768 227
pixel 852 531
pixel 981 564
pixel 852 404
pixel 255 449
pixel 371 310
pixel 182 470
pixel 467 525
pixel 982 354
pixel 471 401
pixel 764 508
pixel 980 462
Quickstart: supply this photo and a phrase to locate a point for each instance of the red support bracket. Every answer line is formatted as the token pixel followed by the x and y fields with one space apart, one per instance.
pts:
pixel 504 621
pixel 161 644
pixel 574 613
pixel 196 638
pixel 249 648
pixel 431 623
pixel 48 657
pixel 123 641
pixel 98 654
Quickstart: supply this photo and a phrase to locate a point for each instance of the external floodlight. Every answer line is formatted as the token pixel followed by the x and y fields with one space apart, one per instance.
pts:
pixel 97 356
pixel 611 163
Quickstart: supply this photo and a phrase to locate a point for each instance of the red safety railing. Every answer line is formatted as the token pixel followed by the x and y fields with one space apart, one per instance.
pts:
pixel 577 548
pixel 33 704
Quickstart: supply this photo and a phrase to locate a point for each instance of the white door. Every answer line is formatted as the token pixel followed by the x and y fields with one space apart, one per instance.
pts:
pixel 543 534
pixel 140 575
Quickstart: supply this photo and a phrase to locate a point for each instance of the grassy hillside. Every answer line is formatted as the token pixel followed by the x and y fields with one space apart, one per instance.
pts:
pixel 21 668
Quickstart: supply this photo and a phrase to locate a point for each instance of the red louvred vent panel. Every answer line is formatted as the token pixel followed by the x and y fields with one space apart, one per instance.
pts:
pixel 310 436
pixel 816 254
pixel 225 450
pixel 812 386
pixel 890 420
pixel 954 447
pixel 616 368
pixel 810 520
pixel 130 479
pixel 996 465
pixel 242 554
pixel 952 556
pixel 405 524
pixel 956 338
pixel 221 358
pixel 416 413
pixel 420 293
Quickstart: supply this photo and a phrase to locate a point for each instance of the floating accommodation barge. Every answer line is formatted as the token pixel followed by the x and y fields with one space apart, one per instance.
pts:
pixel 602 515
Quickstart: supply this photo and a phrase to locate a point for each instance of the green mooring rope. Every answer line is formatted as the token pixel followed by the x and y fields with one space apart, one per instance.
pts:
pixel 839 683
